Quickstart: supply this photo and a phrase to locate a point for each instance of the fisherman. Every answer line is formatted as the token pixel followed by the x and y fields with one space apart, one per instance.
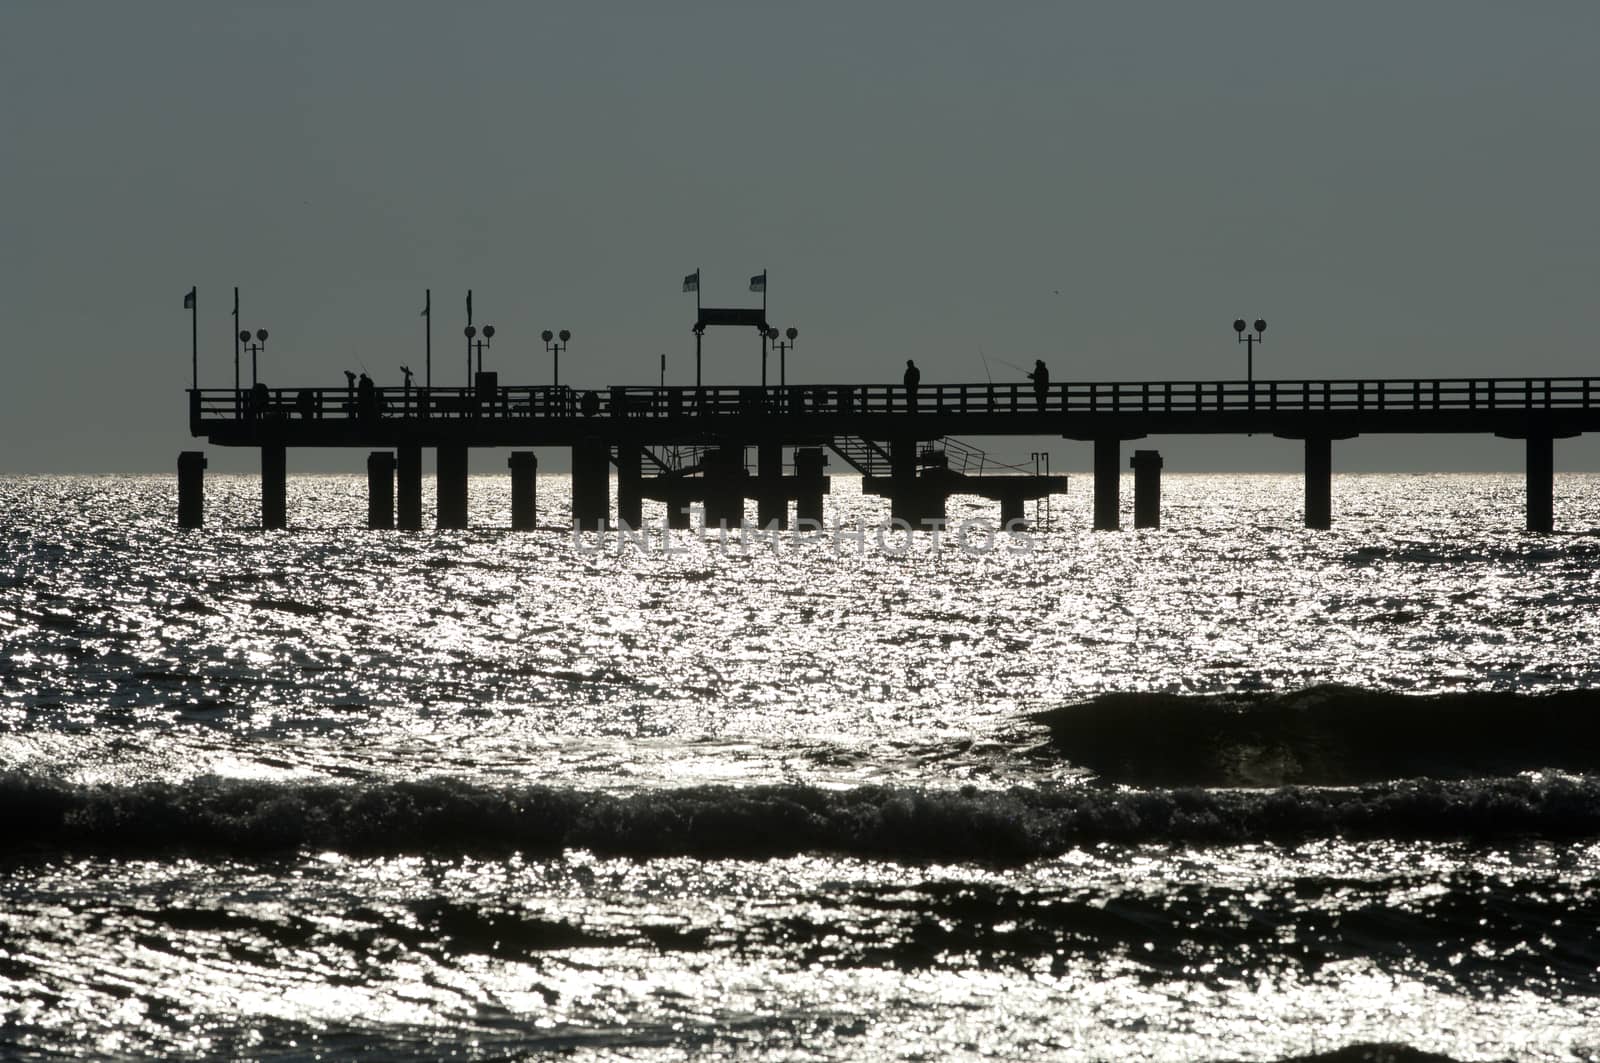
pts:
pixel 366 398
pixel 1041 381
pixel 913 378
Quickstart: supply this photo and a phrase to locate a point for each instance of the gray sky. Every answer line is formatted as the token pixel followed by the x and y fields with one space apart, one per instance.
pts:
pixel 1400 189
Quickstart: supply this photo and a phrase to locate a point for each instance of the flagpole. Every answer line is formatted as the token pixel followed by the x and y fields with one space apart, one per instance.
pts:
pixel 427 312
pixel 236 345
pixel 469 338
pixel 194 335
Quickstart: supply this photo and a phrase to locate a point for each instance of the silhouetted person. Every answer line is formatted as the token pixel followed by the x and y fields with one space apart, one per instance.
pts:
pixel 366 398
pixel 913 378
pixel 258 400
pixel 591 404
pixel 1041 381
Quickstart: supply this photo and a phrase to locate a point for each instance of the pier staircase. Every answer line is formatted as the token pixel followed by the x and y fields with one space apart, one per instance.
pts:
pixel 862 455
pixel 676 461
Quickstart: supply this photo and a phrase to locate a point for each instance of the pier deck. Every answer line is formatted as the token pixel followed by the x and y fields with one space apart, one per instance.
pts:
pixel 615 422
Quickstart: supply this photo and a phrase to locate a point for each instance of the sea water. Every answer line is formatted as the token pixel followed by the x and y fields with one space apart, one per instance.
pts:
pixel 1227 790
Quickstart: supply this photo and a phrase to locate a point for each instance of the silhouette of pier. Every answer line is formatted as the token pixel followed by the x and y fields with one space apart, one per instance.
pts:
pixel 686 444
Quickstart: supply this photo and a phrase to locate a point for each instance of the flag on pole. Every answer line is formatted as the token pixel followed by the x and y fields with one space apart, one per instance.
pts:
pixel 691 283
pixel 425 312
pixel 758 283
pixel 188 299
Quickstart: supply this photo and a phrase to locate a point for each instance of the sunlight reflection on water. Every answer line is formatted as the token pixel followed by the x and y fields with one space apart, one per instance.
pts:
pixel 329 649
pixel 134 653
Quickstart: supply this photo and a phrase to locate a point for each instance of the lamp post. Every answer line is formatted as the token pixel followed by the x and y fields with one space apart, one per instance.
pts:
pixel 555 343
pixel 1250 340
pixel 783 351
pixel 471 331
pixel 255 348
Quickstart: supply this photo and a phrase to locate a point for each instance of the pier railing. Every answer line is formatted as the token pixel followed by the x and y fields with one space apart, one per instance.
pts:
pixel 1150 397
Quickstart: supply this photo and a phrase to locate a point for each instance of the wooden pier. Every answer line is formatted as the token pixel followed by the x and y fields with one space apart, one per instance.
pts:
pixel 691 444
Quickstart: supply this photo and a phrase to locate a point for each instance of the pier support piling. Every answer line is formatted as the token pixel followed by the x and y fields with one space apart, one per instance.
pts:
pixel 1541 484
pixel 677 502
pixel 1319 482
pixel 724 476
pixel 408 500
pixel 1012 512
pixel 630 486
pixel 191 489
pixel 808 465
pixel 408 466
pixel 1107 484
pixel 772 504
pixel 451 472
pixel 905 494
pixel 380 489
pixel 591 485
pixel 524 465
pixel 1146 466
pixel 274 486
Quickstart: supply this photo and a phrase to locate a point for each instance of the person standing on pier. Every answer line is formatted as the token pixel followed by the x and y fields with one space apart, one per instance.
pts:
pixel 913 378
pixel 1041 381
pixel 366 398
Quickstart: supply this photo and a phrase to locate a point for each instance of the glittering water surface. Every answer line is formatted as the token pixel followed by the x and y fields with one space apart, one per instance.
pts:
pixel 169 701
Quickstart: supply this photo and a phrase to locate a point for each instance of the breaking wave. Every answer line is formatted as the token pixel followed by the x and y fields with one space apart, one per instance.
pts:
pixel 226 816
pixel 1326 736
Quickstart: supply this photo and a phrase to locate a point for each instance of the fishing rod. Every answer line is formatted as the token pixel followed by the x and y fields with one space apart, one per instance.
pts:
pixel 986 366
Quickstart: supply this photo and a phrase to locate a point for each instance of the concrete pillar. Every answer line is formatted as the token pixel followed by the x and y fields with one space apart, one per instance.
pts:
pixel 1107 484
pixel 1146 466
pixel 724 476
pixel 1319 483
pixel 1012 511
pixel 274 485
pixel 408 464
pixel 380 489
pixel 451 470
pixel 808 465
pixel 591 485
pixel 772 504
pixel 191 489
pixel 1541 484
pixel 524 465
pixel 630 485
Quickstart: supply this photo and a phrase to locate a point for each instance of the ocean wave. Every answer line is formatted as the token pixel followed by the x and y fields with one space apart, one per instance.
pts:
pixel 223 816
pixel 1327 736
